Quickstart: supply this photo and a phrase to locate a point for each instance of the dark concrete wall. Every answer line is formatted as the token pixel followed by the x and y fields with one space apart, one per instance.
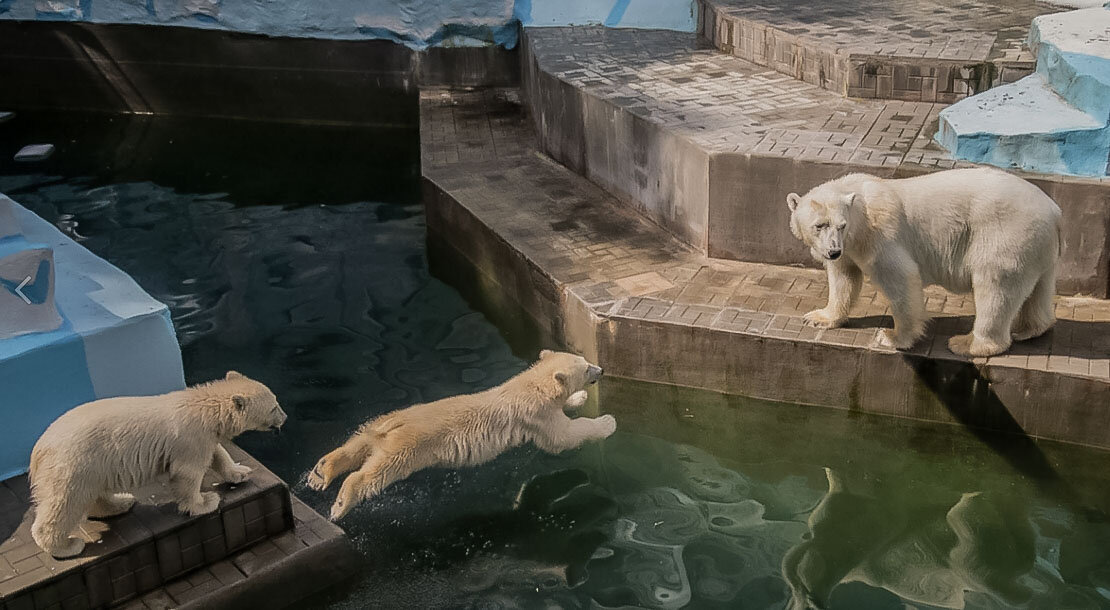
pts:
pixel 181 71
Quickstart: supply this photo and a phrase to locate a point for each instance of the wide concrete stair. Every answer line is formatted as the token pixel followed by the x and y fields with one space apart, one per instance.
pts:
pixel 629 201
pixel 920 50
pixel 540 247
pixel 1055 121
pixel 262 548
pixel 708 145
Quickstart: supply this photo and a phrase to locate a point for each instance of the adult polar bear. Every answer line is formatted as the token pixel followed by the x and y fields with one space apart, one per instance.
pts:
pixel 980 230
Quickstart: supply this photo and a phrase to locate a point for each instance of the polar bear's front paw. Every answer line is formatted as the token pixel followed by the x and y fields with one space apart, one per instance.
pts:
pixel 821 318
pixel 970 346
pixel 889 338
pixel 237 473
pixel 607 425
pixel 577 399
pixel 72 547
pixel 209 501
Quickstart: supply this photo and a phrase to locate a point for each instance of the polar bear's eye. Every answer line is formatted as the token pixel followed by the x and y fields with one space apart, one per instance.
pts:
pixel 822 226
pixel 841 225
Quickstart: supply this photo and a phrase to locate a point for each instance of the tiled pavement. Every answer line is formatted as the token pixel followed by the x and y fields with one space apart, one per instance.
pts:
pixel 725 104
pixel 722 103
pixel 919 50
pixel 154 552
pixel 485 178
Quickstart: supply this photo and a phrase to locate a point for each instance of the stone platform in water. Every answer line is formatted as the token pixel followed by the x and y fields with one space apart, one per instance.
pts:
pixel 262 548
pixel 596 275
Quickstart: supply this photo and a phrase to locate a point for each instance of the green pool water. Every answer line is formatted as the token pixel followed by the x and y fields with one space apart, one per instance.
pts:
pixel 283 256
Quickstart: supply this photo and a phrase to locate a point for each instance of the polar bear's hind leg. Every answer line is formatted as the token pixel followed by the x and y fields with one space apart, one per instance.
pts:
pixel 55 520
pixel 997 301
pixel 1037 314
pixel 110 505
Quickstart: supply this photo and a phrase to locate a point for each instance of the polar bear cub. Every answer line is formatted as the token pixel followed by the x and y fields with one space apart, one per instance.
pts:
pixel 976 230
pixel 88 460
pixel 466 430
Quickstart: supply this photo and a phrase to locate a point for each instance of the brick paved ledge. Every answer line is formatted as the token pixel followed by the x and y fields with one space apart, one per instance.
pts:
pixel 596 276
pixel 153 557
pixel 708 145
pixel 916 50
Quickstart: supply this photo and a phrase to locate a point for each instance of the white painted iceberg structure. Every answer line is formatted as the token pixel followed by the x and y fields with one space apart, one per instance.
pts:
pixel 1056 120
pixel 73 328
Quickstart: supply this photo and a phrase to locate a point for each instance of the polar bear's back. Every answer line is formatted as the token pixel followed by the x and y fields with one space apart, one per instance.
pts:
pixel 979 195
pixel 966 221
pixel 116 443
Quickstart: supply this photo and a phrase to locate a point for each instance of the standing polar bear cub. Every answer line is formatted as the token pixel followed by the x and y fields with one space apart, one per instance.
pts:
pixel 979 230
pixel 88 460
pixel 466 430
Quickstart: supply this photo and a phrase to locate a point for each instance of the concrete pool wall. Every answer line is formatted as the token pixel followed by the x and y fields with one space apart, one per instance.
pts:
pixel 414 23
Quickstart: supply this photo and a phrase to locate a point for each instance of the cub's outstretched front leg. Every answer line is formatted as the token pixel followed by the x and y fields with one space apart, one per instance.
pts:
pixel 561 433
pixel 226 468
pixel 845 280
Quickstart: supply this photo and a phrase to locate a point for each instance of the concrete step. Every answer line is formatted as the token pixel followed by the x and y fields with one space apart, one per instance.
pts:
pixel 926 50
pixel 708 145
pixel 1026 125
pixel 155 557
pixel 533 236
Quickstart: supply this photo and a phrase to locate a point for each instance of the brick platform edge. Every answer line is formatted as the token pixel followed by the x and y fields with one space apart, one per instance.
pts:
pixel 153 557
pixel 597 277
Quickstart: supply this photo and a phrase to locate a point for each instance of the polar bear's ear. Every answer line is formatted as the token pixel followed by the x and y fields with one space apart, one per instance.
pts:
pixel 240 402
pixel 849 199
pixel 544 353
pixel 792 201
pixel 234 375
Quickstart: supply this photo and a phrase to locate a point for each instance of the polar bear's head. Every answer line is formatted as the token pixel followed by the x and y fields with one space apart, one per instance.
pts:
pixel 570 373
pixel 820 219
pixel 252 405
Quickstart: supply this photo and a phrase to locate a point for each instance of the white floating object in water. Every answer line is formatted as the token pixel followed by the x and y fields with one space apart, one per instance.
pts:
pixel 34 152
pixel 6 116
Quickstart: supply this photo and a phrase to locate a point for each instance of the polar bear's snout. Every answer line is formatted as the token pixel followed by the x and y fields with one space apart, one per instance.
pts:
pixel 278 419
pixel 593 373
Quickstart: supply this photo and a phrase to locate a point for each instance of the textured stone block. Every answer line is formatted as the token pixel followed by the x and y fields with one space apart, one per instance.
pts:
pixel 27 289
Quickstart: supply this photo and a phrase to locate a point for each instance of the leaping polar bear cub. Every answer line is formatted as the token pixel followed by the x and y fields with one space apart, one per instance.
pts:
pixel 976 230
